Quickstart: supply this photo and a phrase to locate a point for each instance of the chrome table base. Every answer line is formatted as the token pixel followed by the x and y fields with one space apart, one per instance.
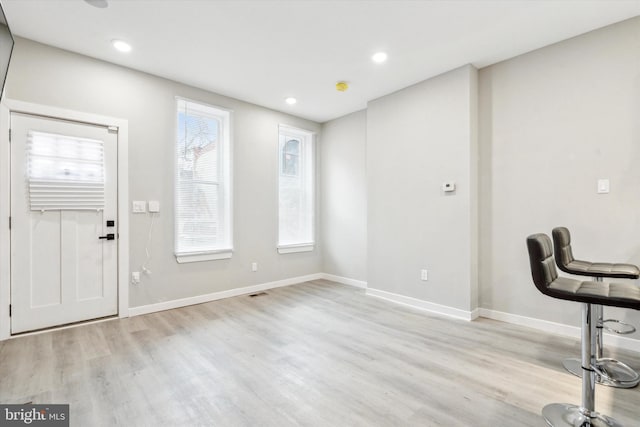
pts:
pixel 565 415
pixel 614 373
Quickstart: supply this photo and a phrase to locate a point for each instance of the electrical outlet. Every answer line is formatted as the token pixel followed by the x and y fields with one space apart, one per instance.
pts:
pixel 154 206
pixel 424 275
pixel 135 277
pixel 254 266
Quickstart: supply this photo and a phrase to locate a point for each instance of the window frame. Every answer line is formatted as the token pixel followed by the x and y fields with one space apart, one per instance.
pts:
pixel 225 183
pixel 307 147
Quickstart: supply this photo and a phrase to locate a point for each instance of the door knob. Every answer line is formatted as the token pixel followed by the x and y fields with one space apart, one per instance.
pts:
pixel 109 236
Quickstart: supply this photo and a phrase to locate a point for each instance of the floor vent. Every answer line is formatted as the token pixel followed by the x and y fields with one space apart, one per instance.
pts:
pixel 257 294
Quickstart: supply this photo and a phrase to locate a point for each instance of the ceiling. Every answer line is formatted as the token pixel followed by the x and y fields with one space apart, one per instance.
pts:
pixel 263 51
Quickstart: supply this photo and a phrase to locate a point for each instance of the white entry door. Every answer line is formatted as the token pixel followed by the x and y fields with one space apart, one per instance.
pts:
pixel 63 222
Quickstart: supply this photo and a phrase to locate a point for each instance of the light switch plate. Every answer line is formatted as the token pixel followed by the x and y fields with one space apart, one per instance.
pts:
pixel 139 206
pixel 603 186
pixel 154 206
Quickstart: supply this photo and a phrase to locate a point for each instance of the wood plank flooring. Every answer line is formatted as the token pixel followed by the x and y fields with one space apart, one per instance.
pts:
pixel 314 354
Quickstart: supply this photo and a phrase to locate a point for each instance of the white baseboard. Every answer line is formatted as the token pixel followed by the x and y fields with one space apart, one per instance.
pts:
pixel 424 305
pixel 344 280
pixel 199 299
pixel 610 340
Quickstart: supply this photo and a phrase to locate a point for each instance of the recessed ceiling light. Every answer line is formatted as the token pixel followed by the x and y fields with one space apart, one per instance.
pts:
pixel 290 100
pixel 121 46
pixel 98 3
pixel 379 57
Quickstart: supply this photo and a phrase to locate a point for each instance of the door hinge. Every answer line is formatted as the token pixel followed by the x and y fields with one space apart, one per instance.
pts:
pixel 9 310
pixel 113 128
pixel 9 223
pixel 9 135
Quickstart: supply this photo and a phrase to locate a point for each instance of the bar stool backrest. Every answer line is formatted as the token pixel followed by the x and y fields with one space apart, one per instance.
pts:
pixel 543 267
pixel 562 247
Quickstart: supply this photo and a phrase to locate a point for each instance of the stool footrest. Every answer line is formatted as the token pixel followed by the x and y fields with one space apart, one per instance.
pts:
pixel 620 328
pixel 611 372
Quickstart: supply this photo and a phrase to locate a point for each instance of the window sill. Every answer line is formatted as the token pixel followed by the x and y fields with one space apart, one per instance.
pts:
pixel 211 256
pixel 291 249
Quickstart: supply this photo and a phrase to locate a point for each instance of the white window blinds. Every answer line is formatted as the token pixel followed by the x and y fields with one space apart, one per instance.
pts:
pixel 296 185
pixel 65 172
pixel 203 211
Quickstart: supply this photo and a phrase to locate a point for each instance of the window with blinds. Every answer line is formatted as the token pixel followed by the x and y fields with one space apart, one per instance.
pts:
pixel 203 208
pixel 296 196
pixel 65 172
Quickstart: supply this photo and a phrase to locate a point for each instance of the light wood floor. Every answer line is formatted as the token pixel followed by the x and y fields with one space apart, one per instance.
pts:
pixel 315 354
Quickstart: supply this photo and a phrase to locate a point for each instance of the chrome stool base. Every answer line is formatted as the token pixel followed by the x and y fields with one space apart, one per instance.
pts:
pixel 565 415
pixel 617 374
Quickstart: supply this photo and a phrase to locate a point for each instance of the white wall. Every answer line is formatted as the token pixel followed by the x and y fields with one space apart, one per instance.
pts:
pixel 552 122
pixel 344 196
pixel 417 139
pixel 46 75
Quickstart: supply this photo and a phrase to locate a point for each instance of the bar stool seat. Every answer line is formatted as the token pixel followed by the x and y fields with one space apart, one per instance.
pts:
pixel 589 293
pixel 567 263
pixel 602 269
pixel 616 373
pixel 614 294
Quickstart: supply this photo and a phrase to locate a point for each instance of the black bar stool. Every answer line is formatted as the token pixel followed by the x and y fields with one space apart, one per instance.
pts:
pixel 611 372
pixel 545 277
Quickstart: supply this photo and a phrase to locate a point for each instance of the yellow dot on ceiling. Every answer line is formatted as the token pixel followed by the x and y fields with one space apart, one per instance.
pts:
pixel 342 86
